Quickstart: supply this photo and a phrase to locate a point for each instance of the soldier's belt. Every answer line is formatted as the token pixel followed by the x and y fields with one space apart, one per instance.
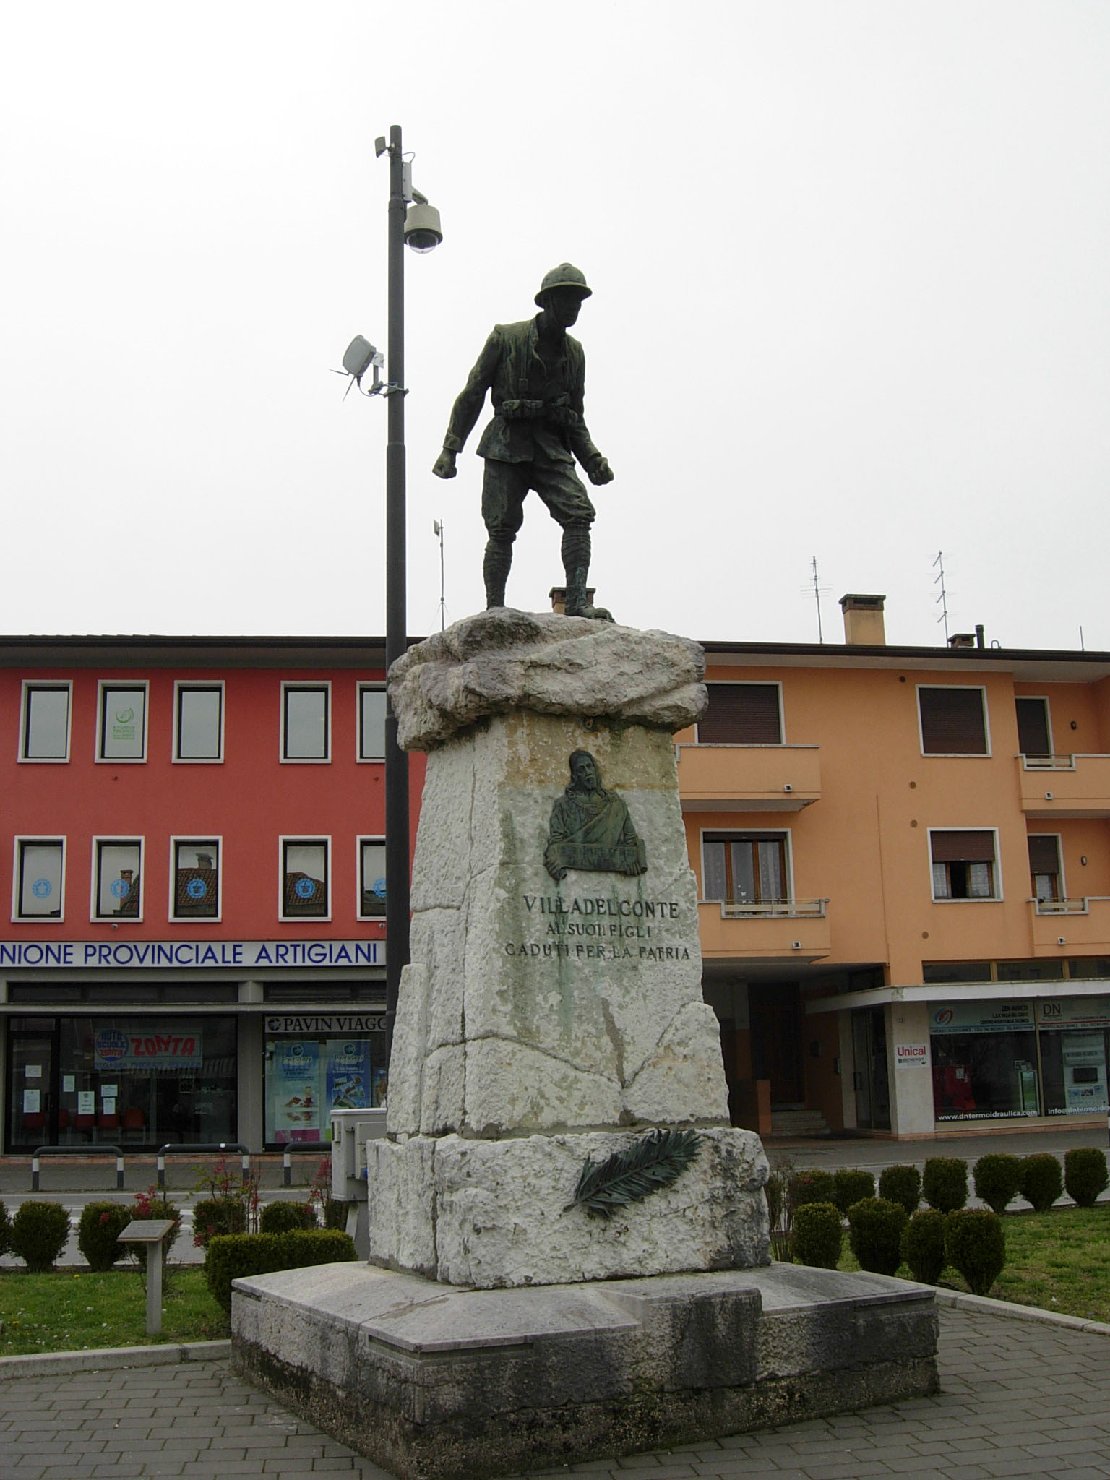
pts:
pixel 520 410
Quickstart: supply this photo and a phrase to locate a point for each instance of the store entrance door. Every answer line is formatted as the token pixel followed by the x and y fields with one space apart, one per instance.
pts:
pixel 870 1077
pixel 31 1107
pixel 775 1018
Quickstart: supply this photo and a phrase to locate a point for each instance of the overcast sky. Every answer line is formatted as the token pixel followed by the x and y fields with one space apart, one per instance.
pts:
pixel 851 272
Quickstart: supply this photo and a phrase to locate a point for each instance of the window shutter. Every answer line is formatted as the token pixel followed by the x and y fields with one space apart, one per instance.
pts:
pixel 952 721
pixel 741 714
pixel 1032 723
pixel 1044 854
pixel 975 845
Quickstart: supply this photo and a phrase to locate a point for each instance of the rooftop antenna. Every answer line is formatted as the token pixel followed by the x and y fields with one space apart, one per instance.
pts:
pixel 818 591
pixel 437 526
pixel 942 599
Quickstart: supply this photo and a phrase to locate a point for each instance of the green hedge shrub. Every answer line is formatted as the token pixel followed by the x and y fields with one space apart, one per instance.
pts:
pixel 923 1245
pixel 216 1215
pixel 1085 1175
pixel 39 1234
pixel 875 1233
pixel 975 1245
pixel 851 1186
pixel 818 1235
pixel 100 1225
pixel 282 1217
pixel 998 1180
pixel 1042 1182
pixel 335 1213
pixel 811 1187
pixel 945 1183
pixel 5 1229
pixel 901 1184
pixel 235 1256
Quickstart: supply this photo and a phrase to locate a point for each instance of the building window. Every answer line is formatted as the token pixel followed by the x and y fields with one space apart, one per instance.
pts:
pixel 117 878
pixel 305 728
pixel 953 721
pixel 304 879
pixel 1044 868
pixel 198 722
pixel 371 878
pixel 122 722
pixel 742 714
pixel 371 722
pixel 44 732
pixel 1034 730
pixel 195 872
pixel 745 868
pixel 964 864
pixel 39 876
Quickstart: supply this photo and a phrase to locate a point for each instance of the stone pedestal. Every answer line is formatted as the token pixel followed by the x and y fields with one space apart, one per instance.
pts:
pixel 552 1020
pixel 547 1020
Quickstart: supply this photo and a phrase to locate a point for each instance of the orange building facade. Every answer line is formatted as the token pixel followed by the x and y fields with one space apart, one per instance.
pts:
pixel 902 859
pixel 903 863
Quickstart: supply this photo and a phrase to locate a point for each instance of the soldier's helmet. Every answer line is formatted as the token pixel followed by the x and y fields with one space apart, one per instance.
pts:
pixel 566 275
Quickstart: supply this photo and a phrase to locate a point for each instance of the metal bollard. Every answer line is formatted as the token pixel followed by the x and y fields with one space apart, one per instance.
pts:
pixel 246 1165
pixel 119 1172
pixel 35 1164
pixel 287 1169
pixel 161 1171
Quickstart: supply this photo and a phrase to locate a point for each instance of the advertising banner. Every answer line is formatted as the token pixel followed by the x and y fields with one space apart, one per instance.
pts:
pixel 348 1074
pixel 980 1017
pixel 115 1049
pixel 294 1085
pixel 1074 1012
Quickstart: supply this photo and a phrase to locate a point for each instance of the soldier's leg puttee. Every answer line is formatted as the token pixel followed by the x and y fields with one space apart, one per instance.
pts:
pixel 576 565
pixel 503 488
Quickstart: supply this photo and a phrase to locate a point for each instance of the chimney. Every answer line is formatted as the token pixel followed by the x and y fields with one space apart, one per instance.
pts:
pixel 558 596
pixel 864 624
pixel 962 640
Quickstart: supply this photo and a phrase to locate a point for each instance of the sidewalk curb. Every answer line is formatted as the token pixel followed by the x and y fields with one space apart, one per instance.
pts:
pixel 988 1307
pixel 98 1359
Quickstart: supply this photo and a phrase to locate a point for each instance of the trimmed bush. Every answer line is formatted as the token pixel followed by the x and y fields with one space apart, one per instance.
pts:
pixel 283 1217
pixel 998 1180
pixel 1042 1182
pixel 875 1234
pixel 5 1229
pixel 236 1256
pixel 1085 1175
pixel 851 1186
pixel 100 1226
pixel 818 1235
pixel 923 1245
pixel 944 1184
pixel 811 1187
pixel 216 1215
pixel 39 1234
pixel 975 1245
pixel 902 1185
pixel 335 1213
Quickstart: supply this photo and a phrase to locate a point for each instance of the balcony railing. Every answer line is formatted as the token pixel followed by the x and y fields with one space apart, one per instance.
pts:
pixel 810 909
pixel 1064 785
pixel 1081 906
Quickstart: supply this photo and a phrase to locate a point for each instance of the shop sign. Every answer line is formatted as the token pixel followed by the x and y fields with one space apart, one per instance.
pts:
pixel 115 1049
pixel 1072 1012
pixel 911 1053
pixel 327 1023
pixel 980 1017
pixel 146 955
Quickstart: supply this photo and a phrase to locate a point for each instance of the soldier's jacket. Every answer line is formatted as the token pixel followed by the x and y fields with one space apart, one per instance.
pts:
pixel 538 407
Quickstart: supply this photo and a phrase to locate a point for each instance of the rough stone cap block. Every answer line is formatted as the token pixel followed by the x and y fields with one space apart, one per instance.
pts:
pixel 505 659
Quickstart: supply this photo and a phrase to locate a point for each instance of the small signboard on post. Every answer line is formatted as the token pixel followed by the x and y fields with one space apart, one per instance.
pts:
pixel 151 1232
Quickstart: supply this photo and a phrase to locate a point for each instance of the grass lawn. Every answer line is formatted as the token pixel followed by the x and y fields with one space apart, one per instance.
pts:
pixel 1059 1260
pixel 74 1310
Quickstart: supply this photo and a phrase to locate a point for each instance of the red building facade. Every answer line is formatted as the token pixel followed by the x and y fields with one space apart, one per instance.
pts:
pixel 193 856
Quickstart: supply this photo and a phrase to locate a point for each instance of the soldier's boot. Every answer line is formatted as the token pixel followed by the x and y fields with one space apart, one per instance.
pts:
pixel 495 568
pixel 576 564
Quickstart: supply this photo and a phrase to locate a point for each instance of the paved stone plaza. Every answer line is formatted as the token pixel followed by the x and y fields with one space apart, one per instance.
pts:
pixel 1019 1397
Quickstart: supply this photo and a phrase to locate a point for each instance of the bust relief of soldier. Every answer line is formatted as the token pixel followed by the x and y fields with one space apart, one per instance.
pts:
pixel 590 827
pixel 535 373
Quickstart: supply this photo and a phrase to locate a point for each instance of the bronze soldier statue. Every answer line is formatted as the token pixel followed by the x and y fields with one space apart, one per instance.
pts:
pixel 535 374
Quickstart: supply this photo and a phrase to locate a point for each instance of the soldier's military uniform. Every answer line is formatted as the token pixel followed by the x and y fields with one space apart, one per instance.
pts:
pixel 537 431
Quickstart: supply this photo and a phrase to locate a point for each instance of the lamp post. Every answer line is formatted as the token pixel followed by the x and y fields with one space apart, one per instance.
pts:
pixel 414 222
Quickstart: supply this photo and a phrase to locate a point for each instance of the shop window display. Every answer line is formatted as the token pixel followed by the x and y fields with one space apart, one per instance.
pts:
pixel 307 1078
pixel 984 1061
